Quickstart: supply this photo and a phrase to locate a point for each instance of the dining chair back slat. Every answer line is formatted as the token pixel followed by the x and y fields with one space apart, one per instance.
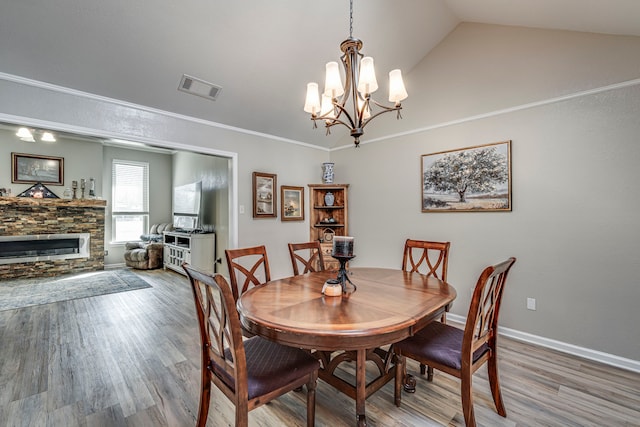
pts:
pixel 247 267
pixel 305 256
pixel 425 257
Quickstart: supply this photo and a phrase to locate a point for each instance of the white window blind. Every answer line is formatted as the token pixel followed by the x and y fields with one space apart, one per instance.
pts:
pixel 130 188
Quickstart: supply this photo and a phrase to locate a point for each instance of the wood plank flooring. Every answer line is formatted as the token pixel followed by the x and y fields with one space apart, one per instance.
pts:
pixel 132 359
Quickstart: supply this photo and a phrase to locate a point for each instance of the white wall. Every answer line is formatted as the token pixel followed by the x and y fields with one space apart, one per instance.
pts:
pixel 575 172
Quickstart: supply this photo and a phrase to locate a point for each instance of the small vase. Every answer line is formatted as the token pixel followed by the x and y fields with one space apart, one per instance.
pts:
pixel 329 198
pixel 327 172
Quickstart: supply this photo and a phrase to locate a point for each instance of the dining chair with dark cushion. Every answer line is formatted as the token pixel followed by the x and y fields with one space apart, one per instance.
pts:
pixel 249 372
pixel 247 267
pixel 461 352
pixel 307 255
pixel 430 259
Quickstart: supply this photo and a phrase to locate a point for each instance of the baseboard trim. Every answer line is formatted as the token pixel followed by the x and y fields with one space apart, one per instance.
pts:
pixel 585 353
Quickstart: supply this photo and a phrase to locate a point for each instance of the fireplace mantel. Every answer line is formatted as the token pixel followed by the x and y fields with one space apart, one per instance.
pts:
pixel 76 203
pixel 25 216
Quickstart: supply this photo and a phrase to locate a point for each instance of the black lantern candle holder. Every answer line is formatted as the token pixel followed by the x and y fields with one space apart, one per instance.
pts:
pixel 343 252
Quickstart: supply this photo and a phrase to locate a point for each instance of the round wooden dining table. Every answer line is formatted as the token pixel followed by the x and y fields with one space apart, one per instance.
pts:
pixel 387 306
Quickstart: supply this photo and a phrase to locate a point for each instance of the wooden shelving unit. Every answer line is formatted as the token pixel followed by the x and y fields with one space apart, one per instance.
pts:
pixel 328 221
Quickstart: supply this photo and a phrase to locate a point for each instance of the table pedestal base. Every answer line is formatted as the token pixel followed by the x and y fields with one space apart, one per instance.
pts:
pixel 359 391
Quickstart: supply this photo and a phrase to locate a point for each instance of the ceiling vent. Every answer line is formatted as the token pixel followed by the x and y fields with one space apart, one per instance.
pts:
pixel 199 87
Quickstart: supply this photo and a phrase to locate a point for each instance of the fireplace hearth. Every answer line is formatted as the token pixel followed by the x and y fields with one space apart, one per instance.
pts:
pixel 50 237
pixel 43 247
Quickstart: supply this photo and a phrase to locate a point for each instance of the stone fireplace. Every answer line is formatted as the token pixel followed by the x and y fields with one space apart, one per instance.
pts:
pixel 48 237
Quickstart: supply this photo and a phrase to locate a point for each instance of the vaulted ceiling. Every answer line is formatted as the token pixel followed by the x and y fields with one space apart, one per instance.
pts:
pixel 262 53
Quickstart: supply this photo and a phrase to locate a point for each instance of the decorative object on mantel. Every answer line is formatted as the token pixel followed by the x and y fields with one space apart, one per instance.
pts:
pixel 38 191
pixel 82 187
pixel 327 172
pixel 92 188
pixel 74 185
pixel 356 91
pixel 343 252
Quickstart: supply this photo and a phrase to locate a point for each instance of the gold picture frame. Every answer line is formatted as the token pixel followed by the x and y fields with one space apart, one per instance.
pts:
pixel 291 203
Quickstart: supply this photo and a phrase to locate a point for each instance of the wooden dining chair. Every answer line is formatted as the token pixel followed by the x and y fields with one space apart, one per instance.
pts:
pixel 430 259
pixel 247 267
pixel 249 372
pixel 307 255
pixel 461 352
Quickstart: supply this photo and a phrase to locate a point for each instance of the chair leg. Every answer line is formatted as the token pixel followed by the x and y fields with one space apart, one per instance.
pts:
pixel 494 383
pixel 311 399
pixel 467 399
pixel 205 397
pixel 423 368
pixel 242 414
pixel 429 373
pixel 399 380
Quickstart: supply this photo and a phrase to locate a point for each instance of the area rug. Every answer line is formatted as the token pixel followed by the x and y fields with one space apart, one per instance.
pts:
pixel 29 292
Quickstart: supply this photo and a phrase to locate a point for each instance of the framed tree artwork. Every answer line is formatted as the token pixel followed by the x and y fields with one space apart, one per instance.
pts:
pixel 264 195
pixel 474 179
pixel 291 203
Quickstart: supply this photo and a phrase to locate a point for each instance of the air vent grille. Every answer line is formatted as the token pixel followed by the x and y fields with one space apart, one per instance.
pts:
pixel 199 87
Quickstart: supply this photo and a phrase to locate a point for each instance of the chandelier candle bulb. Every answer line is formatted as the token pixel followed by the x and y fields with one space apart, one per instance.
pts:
pixel 368 83
pixel 343 246
pixel 333 82
pixel 312 103
pixel 397 91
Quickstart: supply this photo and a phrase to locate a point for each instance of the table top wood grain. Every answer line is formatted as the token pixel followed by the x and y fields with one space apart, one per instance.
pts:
pixel 388 305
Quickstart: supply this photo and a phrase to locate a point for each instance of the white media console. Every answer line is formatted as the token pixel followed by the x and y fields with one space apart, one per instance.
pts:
pixel 196 249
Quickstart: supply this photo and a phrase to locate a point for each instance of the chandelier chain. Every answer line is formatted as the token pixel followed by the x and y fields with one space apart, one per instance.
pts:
pixel 350 18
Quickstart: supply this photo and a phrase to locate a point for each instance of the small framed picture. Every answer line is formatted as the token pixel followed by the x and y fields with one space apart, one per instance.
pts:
pixel 264 195
pixel 32 169
pixel 291 203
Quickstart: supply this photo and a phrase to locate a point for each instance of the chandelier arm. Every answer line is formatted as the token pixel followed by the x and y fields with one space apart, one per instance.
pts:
pixel 385 110
pixel 333 121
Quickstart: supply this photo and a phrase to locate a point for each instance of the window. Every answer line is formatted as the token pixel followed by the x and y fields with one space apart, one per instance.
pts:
pixel 130 186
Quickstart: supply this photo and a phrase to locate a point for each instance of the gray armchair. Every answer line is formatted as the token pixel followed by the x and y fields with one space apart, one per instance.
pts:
pixel 147 253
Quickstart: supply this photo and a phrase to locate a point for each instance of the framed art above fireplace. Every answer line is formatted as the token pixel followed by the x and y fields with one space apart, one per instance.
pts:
pixel 33 169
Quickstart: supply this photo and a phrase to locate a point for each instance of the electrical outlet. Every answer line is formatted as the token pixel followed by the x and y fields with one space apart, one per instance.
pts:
pixel 241 209
pixel 531 304
pixel 106 253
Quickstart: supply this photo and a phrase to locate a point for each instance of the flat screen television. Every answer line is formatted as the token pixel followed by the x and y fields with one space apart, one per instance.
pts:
pixel 187 200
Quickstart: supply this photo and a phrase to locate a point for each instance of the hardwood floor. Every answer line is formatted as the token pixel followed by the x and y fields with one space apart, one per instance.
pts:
pixel 132 359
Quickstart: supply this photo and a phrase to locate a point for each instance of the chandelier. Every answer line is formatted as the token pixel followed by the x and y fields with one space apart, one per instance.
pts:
pixel 351 105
